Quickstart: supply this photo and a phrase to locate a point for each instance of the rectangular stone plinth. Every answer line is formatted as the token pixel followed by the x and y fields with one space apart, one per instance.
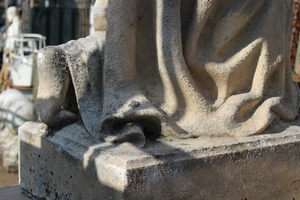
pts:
pixel 70 165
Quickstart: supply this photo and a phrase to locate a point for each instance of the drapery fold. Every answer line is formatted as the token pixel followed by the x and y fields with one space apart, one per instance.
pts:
pixel 190 68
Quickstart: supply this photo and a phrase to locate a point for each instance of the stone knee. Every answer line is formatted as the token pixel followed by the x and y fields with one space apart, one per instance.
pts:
pixel 54 82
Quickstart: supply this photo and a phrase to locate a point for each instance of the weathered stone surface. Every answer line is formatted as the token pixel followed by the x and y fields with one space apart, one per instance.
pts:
pixel 181 78
pixel 71 165
pixel 177 68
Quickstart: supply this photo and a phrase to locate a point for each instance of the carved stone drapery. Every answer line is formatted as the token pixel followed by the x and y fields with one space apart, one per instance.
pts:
pixel 177 68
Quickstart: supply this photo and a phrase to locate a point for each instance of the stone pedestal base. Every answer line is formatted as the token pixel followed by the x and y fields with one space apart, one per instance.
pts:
pixel 70 165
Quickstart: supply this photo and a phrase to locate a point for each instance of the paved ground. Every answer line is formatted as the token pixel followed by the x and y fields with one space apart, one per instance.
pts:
pixel 9 190
pixel 7 179
pixel 12 193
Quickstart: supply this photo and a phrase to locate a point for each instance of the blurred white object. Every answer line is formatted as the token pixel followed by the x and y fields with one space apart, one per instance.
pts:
pixel 46 3
pixel 15 109
pixel 22 58
pixel 14 29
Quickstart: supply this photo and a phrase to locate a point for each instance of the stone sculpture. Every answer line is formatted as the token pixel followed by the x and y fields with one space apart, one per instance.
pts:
pixel 155 71
pixel 175 68
pixel 14 28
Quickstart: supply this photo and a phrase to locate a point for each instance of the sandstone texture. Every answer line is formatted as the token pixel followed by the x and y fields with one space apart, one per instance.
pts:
pixel 177 68
pixel 204 86
pixel 74 166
